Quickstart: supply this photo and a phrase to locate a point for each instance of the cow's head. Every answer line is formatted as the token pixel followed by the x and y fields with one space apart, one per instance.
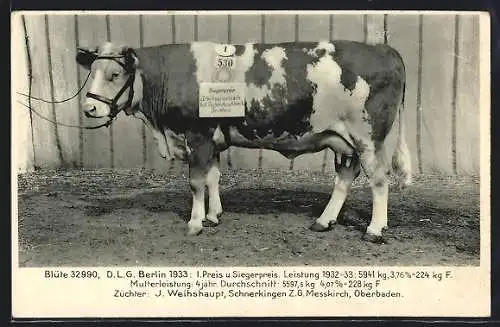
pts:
pixel 116 84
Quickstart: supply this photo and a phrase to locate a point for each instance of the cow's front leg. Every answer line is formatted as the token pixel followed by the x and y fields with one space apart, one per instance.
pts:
pixel 204 172
pixel 197 183
pixel 214 203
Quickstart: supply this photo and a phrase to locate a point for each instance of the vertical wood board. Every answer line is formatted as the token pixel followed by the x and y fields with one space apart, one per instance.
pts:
pixel 21 141
pixel 467 105
pixel 437 93
pixel 64 71
pixel 45 136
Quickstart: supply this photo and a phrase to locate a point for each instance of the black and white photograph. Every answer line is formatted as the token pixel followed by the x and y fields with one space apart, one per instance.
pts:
pixel 250 139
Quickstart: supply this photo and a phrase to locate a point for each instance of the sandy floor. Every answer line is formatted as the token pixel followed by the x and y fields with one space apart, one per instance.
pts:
pixel 134 217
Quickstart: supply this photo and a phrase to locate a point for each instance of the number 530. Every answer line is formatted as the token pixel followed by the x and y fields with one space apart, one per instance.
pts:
pixel 225 62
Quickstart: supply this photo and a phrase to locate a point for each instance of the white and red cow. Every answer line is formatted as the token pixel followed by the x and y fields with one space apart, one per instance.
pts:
pixel 299 98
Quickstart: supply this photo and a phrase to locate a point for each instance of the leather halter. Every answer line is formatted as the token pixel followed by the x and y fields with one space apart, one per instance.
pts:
pixel 112 103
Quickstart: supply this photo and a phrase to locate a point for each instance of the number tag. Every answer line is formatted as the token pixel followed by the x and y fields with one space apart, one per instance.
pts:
pixel 224 62
pixel 225 50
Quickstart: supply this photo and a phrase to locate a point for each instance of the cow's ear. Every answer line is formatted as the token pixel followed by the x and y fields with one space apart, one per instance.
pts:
pixel 85 57
pixel 131 59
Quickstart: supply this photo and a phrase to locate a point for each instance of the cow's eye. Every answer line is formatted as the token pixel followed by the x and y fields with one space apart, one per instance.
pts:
pixel 115 75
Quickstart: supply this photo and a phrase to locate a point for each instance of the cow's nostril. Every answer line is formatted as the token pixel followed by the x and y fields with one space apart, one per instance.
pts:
pixel 90 110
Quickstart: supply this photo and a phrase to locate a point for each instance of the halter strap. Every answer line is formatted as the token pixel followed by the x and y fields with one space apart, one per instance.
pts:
pixel 113 58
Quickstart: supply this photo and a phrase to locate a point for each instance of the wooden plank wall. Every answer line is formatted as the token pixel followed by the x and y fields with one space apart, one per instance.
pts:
pixel 436 107
pixel 441 55
pixel 467 96
pixel 47 144
pixel 61 31
pixel 22 151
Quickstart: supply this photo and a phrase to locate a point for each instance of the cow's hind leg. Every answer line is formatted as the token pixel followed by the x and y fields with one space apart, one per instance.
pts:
pixel 214 203
pixel 376 171
pixel 347 169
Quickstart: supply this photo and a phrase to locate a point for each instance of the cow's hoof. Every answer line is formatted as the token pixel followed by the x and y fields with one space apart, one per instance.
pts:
pixel 317 227
pixel 194 231
pixel 370 237
pixel 209 223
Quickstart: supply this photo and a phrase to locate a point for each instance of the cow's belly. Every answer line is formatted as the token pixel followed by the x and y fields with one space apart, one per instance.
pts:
pixel 291 145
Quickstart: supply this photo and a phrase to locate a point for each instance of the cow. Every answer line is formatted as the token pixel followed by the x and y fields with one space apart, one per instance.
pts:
pixel 299 97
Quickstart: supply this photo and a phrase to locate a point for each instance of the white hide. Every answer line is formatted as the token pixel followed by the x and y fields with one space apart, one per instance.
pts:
pixel 332 100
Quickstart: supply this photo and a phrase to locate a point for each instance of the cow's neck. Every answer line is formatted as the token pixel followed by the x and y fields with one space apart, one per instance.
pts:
pixel 152 106
pixel 162 107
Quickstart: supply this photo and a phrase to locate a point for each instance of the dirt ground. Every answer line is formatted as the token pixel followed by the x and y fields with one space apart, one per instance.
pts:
pixel 135 217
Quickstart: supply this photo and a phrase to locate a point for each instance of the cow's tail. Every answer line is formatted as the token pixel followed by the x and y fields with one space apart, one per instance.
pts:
pixel 401 160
